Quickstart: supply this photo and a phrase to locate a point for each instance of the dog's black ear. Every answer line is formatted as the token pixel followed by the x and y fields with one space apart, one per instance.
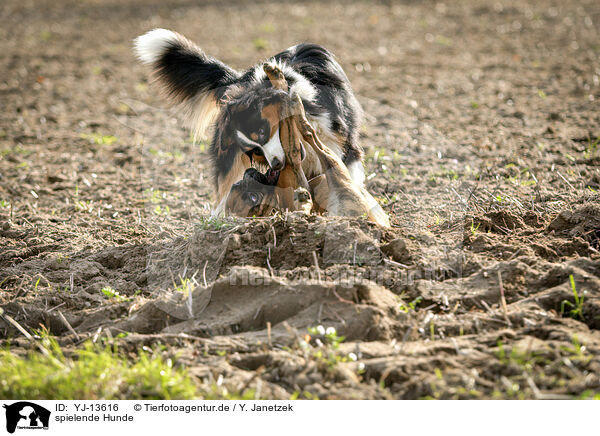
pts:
pixel 187 75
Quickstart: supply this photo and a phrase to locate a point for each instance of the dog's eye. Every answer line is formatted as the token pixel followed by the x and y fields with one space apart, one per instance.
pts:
pixel 254 198
pixel 258 151
pixel 262 133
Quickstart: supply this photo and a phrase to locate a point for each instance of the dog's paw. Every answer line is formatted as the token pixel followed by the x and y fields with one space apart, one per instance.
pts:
pixel 302 200
pixel 275 76
pixel 272 71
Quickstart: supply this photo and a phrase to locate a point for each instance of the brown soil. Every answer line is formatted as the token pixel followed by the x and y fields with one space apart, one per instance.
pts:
pixel 480 132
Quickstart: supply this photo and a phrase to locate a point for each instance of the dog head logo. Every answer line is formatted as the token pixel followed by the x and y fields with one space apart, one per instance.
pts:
pixel 26 415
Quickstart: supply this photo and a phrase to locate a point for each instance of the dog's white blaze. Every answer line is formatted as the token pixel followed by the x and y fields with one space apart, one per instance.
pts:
pixel 150 46
pixel 273 149
pixel 244 137
pixel 357 172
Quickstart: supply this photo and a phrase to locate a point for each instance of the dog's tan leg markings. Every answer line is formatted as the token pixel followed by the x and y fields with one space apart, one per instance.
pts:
pixel 292 174
pixel 329 160
pixel 320 193
pixel 235 173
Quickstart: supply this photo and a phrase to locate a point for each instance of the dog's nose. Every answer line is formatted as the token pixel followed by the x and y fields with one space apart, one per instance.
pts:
pixel 276 164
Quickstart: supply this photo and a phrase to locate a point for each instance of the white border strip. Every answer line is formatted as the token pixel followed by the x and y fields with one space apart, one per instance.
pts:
pixel 316 417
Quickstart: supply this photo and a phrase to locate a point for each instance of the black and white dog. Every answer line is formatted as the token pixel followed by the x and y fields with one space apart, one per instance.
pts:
pixel 239 108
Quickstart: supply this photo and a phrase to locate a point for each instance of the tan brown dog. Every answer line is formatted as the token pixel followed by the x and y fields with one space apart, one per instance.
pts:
pixel 255 196
pixel 292 175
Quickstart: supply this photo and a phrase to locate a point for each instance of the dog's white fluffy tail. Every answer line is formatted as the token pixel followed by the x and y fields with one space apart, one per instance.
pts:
pixel 151 46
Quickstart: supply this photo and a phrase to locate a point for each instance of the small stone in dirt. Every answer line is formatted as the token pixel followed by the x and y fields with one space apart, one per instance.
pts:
pixel 397 250
pixel 5 225
pixel 235 241
pixel 555 116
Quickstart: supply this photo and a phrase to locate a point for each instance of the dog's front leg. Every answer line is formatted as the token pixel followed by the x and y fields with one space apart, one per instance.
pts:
pixel 291 176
